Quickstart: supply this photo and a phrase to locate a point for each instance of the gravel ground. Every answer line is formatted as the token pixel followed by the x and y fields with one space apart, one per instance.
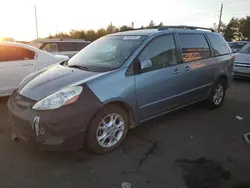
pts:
pixel 192 147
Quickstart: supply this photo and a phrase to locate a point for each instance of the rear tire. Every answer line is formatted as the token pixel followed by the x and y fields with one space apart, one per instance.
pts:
pixel 107 129
pixel 217 94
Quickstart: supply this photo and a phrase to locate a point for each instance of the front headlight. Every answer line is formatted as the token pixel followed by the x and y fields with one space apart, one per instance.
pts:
pixel 61 98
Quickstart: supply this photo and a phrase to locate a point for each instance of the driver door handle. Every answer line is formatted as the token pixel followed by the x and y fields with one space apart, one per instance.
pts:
pixel 187 68
pixel 177 71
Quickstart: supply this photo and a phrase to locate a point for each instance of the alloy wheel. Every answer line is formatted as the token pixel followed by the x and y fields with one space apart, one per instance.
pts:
pixel 110 130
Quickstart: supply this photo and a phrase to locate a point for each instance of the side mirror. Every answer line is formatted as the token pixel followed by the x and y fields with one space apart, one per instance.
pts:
pixel 146 63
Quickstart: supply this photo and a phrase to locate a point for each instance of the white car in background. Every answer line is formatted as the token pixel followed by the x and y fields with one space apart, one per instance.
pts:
pixel 18 61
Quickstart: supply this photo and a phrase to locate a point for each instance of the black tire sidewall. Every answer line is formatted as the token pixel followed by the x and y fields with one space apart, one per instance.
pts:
pixel 91 141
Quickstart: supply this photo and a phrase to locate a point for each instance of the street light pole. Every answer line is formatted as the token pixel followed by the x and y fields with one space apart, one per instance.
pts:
pixel 36 23
pixel 219 25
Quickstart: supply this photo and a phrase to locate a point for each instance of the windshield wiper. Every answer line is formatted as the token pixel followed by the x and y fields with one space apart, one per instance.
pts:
pixel 79 67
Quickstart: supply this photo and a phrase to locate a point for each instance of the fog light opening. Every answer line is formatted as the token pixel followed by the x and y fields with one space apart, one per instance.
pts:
pixel 36 127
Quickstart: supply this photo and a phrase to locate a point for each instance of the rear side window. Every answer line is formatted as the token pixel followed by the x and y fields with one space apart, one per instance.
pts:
pixel 194 47
pixel 12 53
pixel 72 46
pixel 219 45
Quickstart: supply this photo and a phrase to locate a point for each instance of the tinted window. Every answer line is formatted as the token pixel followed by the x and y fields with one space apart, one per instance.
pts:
pixel 219 45
pixel 80 45
pixel 67 46
pixel 245 49
pixel 72 46
pixel 50 47
pixel 11 53
pixel 161 51
pixel 194 47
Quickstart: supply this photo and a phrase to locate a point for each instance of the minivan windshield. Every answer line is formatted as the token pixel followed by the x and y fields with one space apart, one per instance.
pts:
pixel 245 49
pixel 106 53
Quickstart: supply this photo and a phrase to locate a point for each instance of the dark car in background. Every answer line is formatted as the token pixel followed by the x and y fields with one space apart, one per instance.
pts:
pixel 68 47
pixel 236 46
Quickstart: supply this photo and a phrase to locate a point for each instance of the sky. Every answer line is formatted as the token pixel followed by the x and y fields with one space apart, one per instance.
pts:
pixel 17 17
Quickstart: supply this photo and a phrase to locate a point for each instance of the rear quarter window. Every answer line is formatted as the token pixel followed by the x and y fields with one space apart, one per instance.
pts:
pixel 219 45
pixel 194 47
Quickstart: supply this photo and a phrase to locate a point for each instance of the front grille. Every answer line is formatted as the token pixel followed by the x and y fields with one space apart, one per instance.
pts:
pixel 238 64
pixel 241 74
pixel 21 102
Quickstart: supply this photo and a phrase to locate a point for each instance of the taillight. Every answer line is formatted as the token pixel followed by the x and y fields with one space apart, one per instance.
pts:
pixel 233 58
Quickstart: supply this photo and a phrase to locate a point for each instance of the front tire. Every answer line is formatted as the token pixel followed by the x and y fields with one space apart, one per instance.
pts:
pixel 217 94
pixel 107 129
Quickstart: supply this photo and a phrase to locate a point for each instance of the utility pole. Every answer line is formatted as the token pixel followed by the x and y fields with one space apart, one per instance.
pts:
pixel 36 23
pixel 219 25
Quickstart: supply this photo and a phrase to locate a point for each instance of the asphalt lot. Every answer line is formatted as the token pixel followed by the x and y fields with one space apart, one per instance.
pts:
pixel 193 147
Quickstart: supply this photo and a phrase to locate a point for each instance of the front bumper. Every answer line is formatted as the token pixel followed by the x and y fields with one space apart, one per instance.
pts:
pixel 61 129
pixel 241 72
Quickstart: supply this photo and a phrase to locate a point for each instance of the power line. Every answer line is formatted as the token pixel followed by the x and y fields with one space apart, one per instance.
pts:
pixel 199 14
pixel 238 6
pixel 237 14
pixel 234 1
pixel 236 9
pixel 199 18
pixel 205 15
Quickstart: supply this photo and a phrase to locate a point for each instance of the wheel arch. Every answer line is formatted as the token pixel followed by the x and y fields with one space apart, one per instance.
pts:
pixel 133 122
pixel 223 77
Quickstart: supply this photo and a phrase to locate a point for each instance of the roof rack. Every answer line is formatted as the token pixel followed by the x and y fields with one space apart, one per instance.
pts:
pixel 184 27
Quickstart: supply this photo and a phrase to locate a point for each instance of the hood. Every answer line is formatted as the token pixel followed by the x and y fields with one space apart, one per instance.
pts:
pixel 242 58
pixel 46 82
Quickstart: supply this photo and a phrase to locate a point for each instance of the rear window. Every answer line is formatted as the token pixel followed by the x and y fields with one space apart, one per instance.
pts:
pixel 194 47
pixel 72 46
pixel 13 53
pixel 219 45
pixel 236 44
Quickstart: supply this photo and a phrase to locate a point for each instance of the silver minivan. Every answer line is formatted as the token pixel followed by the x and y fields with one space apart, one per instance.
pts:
pixel 118 82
